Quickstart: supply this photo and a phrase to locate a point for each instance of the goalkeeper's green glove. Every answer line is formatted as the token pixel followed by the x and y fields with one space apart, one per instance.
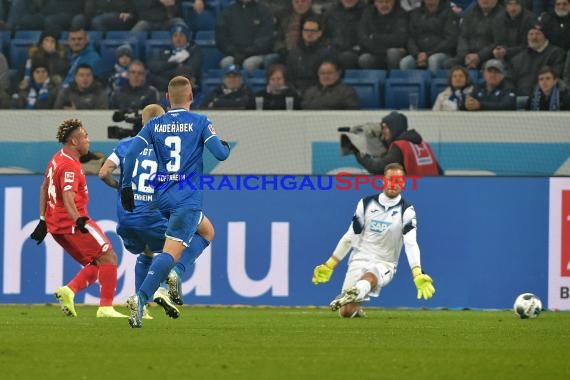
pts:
pixel 424 283
pixel 322 273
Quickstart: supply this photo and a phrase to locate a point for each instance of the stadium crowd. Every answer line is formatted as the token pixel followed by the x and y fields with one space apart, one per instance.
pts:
pixel 327 54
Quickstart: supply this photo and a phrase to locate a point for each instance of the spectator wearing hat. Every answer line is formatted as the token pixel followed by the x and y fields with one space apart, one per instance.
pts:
pixel 510 30
pixel 84 93
pixel 135 94
pixel 550 94
pixel 232 93
pixel 495 93
pixel 245 35
pixel 107 15
pixel 476 40
pixel 41 91
pixel 183 58
pixel 47 49
pixel 404 146
pixel 157 14
pixel 118 76
pixel 539 52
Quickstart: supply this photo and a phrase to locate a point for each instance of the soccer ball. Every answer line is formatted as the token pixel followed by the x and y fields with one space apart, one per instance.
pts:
pixel 527 305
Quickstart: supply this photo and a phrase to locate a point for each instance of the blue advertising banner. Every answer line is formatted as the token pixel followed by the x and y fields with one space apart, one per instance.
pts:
pixel 484 240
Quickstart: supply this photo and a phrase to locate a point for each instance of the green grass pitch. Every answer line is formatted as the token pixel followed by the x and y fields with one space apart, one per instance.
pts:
pixel 38 342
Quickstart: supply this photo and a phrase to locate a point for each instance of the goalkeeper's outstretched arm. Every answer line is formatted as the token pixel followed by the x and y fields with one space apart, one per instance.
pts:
pixel 322 273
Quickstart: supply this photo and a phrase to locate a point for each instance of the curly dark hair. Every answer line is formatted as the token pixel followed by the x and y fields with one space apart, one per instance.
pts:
pixel 66 128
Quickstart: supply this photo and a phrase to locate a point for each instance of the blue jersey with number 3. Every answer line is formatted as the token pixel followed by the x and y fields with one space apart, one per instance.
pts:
pixel 178 139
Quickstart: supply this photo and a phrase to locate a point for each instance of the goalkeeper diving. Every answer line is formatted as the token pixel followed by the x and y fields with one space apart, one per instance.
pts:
pixel 380 226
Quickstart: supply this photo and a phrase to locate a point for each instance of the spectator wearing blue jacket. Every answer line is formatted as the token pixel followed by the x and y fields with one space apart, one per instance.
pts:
pixel 81 51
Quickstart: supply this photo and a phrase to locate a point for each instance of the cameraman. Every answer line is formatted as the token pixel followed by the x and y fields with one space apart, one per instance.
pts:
pixel 405 147
pixel 136 93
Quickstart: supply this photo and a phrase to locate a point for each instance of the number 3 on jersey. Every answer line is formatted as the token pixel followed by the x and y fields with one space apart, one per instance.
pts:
pixel 175 144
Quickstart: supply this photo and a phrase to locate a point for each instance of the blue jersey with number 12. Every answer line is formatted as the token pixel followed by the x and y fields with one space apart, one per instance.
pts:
pixel 146 214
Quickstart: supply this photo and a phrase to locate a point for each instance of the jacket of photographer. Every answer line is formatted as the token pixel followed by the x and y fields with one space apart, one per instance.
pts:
pixel 405 147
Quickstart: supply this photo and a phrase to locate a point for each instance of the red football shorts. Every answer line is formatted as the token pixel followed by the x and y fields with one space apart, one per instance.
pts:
pixel 85 247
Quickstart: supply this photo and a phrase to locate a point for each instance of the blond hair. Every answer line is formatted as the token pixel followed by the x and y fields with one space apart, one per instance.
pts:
pixel 66 128
pixel 179 89
pixel 150 111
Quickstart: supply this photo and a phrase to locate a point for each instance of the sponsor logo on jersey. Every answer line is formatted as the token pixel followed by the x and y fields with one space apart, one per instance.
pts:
pixel 69 177
pixel 379 225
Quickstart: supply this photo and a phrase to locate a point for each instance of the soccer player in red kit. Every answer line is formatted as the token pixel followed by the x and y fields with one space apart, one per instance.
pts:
pixel 63 213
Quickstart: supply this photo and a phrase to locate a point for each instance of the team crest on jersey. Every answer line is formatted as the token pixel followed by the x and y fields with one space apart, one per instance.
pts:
pixel 379 225
pixel 211 128
pixel 69 177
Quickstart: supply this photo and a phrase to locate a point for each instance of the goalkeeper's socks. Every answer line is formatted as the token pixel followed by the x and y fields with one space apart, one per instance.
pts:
pixel 161 265
pixel 83 279
pixel 141 269
pixel 197 245
pixel 363 287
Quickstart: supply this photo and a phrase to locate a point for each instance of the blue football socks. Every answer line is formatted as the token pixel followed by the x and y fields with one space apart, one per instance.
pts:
pixel 197 245
pixel 161 265
pixel 141 269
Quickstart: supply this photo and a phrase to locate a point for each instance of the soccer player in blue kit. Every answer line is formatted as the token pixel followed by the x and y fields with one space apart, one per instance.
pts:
pixel 178 139
pixel 143 230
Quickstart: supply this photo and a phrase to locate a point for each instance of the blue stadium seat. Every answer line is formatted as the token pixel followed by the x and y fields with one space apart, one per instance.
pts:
pixel 397 92
pixel 204 21
pixel 19 53
pixel 212 56
pixel 256 84
pixel 368 92
pixel 437 86
pixel 28 34
pixel 424 75
pixel 154 48
pixel 376 78
pixel 442 73
pixel 108 51
pixel 474 74
pixel 126 35
pixel 160 35
pixel 209 84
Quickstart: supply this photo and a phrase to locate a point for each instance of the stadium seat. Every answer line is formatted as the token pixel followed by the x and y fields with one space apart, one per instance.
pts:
pixel 19 52
pixel 437 86
pixel 154 48
pixel 376 78
pixel 108 51
pixel 204 21
pixel 212 56
pixel 28 34
pixel 397 92
pixel 414 76
pixel 256 84
pixel 160 35
pixel 125 35
pixel 442 73
pixel 209 84
pixel 367 91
